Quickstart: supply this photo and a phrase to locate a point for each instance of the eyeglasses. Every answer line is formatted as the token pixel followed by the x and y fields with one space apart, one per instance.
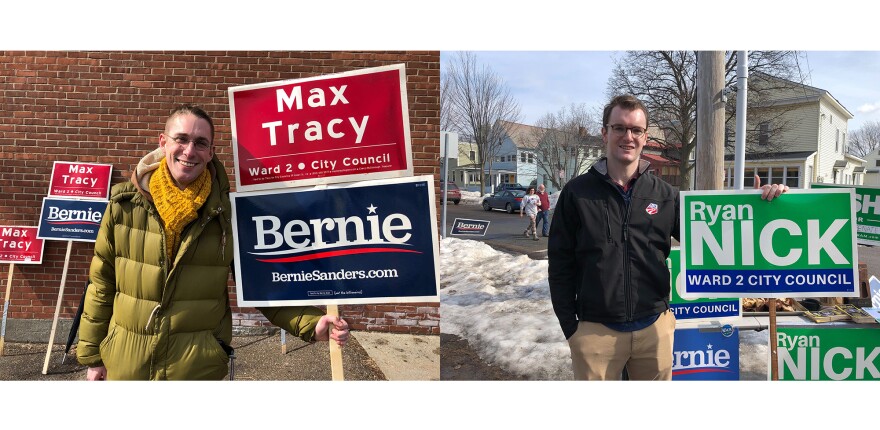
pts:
pixel 201 144
pixel 621 130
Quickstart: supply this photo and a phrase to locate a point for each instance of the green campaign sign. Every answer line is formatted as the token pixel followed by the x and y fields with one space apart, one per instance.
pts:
pixel 867 207
pixel 734 244
pixel 828 354
pixel 691 308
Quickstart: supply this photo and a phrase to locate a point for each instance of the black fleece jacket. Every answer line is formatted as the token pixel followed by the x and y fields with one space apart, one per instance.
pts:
pixel 607 259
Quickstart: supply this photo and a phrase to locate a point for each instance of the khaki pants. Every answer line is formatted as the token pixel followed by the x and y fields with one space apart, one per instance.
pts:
pixel 600 353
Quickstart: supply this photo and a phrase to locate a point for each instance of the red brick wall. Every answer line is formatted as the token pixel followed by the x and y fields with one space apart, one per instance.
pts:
pixel 109 107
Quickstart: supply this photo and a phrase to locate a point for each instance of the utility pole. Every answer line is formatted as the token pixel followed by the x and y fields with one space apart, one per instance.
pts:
pixel 445 187
pixel 710 120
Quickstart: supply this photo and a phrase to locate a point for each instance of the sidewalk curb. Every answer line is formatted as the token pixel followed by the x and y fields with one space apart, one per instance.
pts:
pixel 517 249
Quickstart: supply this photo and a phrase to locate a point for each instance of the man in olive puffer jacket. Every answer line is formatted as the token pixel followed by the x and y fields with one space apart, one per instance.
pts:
pixel 158 305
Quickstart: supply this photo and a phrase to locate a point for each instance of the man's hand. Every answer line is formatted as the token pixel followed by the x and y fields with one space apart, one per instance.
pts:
pixel 770 192
pixel 96 373
pixel 337 327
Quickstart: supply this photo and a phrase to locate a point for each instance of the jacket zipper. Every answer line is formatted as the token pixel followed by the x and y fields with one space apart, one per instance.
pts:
pixel 627 287
pixel 165 261
pixel 165 272
pixel 215 213
pixel 608 224
pixel 158 309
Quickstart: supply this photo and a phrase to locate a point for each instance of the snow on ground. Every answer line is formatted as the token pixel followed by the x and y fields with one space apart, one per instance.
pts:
pixel 500 303
pixel 471 198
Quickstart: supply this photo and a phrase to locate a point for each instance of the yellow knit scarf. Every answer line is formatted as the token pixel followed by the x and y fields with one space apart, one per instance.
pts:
pixel 177 207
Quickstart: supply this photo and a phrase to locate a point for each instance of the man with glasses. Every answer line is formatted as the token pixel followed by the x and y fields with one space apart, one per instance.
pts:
pixel 609 240
pixel 158 303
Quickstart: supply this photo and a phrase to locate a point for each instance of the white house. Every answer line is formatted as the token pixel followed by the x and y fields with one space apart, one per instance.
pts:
pixel 872 169
pixel 806 127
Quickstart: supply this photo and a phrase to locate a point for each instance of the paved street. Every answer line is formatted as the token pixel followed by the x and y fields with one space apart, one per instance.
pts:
pixel 505 230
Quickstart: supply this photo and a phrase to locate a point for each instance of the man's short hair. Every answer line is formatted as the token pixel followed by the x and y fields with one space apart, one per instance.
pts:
pixel 192 110
pixel 627 102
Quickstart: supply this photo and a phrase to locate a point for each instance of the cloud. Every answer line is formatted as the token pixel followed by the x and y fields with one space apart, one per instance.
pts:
pixel 869 108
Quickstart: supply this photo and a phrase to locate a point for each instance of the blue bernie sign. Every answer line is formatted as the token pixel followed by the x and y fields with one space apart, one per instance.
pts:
pixel 76 220
pixel 469 227
pixel 361 243
pixel 705 356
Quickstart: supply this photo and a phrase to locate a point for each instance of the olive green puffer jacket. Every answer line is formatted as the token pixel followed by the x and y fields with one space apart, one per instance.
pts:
pixel 149 318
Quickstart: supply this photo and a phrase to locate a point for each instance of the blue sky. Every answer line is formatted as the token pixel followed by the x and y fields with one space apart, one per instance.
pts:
pixel 544 81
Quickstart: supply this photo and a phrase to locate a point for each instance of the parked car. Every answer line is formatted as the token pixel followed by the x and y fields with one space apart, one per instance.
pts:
pixel 453 194
pixel 504 187
pixel 509 200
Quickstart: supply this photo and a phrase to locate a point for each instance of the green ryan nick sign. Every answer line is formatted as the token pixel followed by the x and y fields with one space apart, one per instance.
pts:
pixel 828 353
pixel 734 244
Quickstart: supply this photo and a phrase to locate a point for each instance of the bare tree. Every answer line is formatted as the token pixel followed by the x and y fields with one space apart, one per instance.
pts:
pixel 478 103
pixel 666 82
pixel 865 140
pixel 566 142
pixel 447 114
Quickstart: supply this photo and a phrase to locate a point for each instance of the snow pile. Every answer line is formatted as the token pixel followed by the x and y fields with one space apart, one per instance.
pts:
pixel 471 198
pixel 501 304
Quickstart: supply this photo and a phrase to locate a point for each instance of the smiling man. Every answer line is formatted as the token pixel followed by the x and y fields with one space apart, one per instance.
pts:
pixel 158 303
pixel 609 241
pixel 186 162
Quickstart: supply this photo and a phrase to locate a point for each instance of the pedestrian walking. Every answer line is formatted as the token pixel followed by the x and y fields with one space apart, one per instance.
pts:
pixel 529 206
pixel 543 211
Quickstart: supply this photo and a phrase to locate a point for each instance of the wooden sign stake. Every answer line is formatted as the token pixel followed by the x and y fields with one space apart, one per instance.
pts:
pixel 335 350
pixel 283 341
pixel 57 308
pixel 774 362
pixel 6 308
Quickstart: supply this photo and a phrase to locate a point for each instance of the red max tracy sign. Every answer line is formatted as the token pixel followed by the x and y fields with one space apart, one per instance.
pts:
pixel 337 128
pixel 20 245
pixel 80 180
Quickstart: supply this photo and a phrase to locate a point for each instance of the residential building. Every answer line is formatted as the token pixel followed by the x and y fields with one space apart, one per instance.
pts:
pixel 529 155
pixel 798 137
pixel 467 173
pixel 872 169
pixel 515 161
pixel 522 158
pixel 661 166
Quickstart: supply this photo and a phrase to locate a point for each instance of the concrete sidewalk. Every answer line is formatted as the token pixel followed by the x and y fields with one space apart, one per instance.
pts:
pixel 403 357
pixel 399 357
